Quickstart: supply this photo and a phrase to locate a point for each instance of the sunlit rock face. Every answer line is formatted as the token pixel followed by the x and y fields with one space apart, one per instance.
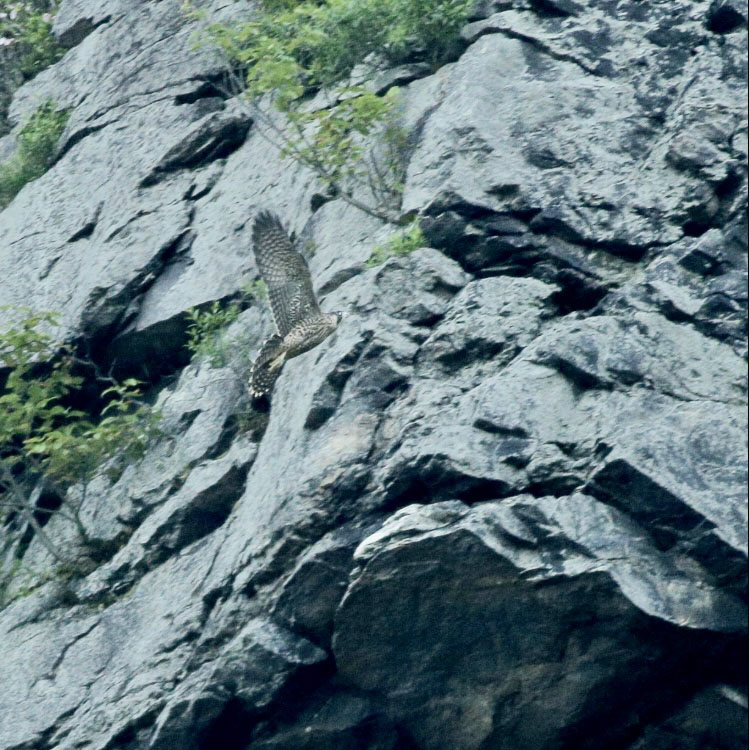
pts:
pixel 503 507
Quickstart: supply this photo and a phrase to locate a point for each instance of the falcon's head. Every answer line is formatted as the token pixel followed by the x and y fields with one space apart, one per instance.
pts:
pixel 334 318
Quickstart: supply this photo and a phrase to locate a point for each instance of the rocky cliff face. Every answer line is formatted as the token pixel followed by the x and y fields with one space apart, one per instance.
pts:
pixel 503 507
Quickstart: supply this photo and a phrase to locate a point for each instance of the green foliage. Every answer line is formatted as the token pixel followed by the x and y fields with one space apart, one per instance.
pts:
pixel 402 243
pixel 36 146
pixel 76 450
pixel 432 27
pixel 207 328
pixel 332 145
pixel 42 436
pixel 26 46
pixel 27 27
pixel 296 46
pixel 292 49
pixel 205 331
pixel 64 444
pixel 257 290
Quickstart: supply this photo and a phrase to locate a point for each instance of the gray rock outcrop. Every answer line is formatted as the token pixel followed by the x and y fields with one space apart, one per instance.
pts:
pixel 503 507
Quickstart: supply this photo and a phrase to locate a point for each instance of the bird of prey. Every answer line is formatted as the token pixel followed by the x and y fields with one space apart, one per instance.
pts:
pixel 300 323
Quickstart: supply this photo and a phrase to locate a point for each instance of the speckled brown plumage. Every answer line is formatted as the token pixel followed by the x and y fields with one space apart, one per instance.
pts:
pixel 300 322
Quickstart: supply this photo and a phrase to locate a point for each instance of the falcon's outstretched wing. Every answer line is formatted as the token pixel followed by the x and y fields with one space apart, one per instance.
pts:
pixel 284 271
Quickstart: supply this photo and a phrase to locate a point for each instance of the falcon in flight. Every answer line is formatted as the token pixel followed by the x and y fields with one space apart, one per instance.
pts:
pixel 300 323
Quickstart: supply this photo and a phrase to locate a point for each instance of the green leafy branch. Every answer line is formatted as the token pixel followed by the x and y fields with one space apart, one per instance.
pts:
pixel 27 46
pixel 35 154
pixel 26 29
pixel 46 444
pixel 403 242
pixel 348 135
pixel 206 330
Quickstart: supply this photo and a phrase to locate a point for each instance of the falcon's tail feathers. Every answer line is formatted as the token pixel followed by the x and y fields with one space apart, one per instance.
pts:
pixel 267 366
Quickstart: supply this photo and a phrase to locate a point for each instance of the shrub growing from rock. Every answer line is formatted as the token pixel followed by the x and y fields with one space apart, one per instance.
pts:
pixel 27 46
pixel 206 330
pixel 301 59
pixel 401 243
pixel 47 446
pixel 35 153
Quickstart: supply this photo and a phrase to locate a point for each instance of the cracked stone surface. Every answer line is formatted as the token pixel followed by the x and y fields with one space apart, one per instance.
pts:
pixel 504 505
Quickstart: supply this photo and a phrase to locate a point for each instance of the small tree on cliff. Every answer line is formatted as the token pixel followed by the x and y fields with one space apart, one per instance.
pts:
pixel 27 46
pixel 46 445
pixel 305 60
